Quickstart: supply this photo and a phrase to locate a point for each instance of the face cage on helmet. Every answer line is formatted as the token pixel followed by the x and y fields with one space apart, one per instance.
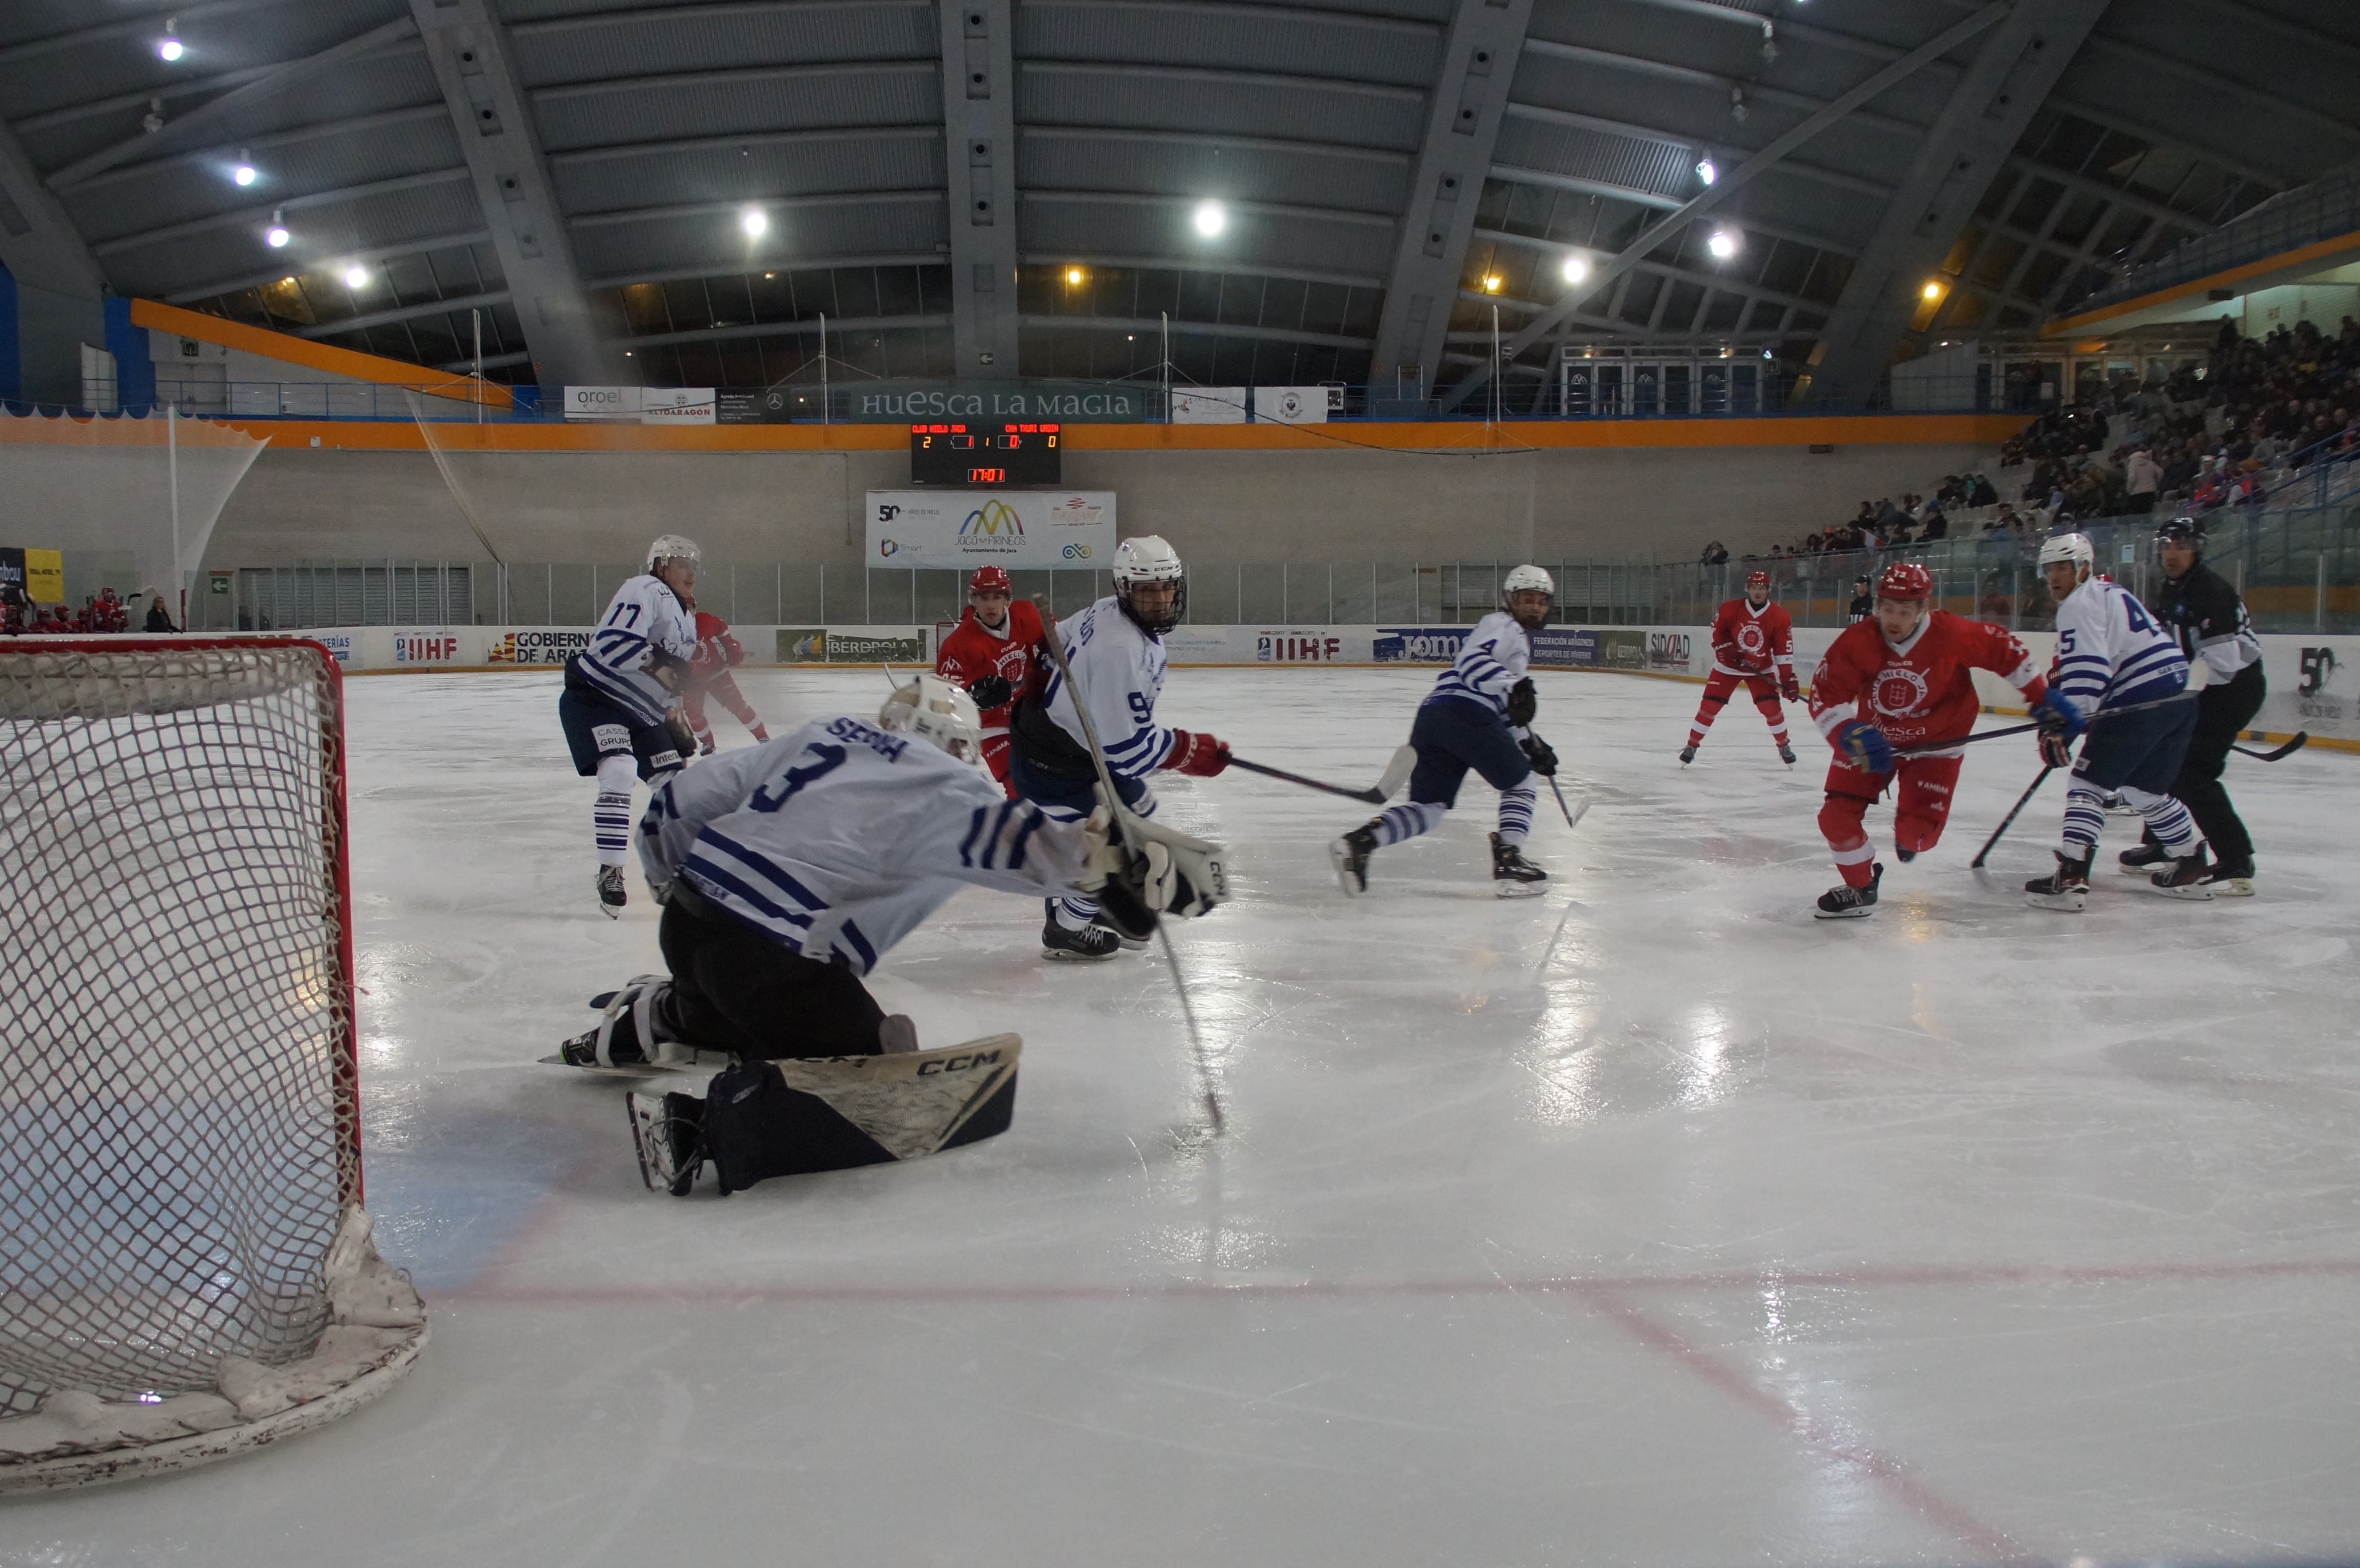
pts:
pixel 1179 602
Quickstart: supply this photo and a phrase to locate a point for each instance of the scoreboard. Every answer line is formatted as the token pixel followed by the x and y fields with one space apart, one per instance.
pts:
pixel 975 456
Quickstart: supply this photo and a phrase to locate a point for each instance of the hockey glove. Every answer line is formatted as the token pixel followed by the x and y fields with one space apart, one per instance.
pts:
pixel 990 692
pixel 2057 717
pixel 1197 754
pixel 1523 702
pixel 2056 748
pixel 670 670
pixel 1789 688
pixel 1866 747
pixel 683 733
pixel 1539 752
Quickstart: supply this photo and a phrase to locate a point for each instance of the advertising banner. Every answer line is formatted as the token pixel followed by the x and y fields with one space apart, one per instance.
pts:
pixel 961 530
pixel 45 576
pixel 12 573
pixel 1209 405
pixel 855 645
pixel 1416 645
pixel 1070 402
pixel 640 405
pixel 536 645
pixel 1297 405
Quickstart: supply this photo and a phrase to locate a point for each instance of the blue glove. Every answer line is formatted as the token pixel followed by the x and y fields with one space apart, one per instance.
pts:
pixel 1866 747
pixel 2057 717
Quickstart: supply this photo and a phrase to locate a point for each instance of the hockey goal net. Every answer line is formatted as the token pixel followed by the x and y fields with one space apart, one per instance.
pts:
pixel 185 1267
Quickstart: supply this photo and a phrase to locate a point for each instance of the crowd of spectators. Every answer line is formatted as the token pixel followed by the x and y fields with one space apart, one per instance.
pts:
pixel 102 611
pixel 1913 519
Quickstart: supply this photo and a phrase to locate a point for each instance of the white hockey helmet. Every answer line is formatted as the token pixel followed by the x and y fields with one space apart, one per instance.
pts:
pixel 1523 577
pixel 1148 558
pixel 673 547
pixel 2073 548
pixel 934 711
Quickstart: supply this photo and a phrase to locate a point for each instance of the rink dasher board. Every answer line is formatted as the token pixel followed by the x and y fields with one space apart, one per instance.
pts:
pixel 2314 678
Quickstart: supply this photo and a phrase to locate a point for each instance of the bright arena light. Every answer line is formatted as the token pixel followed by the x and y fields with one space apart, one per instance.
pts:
pixel 356 277
pixel 755 221
pixel 1723 244
pixel 1707 171
pixel 276 234
pixel 1073 275
pixel 1211 218
pixel 169 49
pixel 1933 290
pixel 244 174
pixel 1490 285
pixel 1576 269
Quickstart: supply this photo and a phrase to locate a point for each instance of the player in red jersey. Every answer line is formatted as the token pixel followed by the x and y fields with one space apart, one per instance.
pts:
pixel 1753 642
pixel 716 654
pixel 993 652
pixel 1902 679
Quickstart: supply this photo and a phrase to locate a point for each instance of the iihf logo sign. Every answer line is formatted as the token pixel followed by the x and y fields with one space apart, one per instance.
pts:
pixel 1899 692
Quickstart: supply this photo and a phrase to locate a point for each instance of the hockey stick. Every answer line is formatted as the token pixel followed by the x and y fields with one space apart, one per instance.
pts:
pixel 2302 739
pixel 2021 801
pixel 1396 773
pixel 1121 816
pixel 1572 817
pixel 2103 713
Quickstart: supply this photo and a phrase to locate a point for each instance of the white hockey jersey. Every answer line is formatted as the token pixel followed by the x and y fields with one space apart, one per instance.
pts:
pixel 1492 659
pixel 643 617
pixel 1120 670
pixel 837 840
pixel 2111 652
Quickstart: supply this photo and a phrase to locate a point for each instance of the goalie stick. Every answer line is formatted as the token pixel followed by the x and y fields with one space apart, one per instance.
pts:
pixel 1396 774
pixel 1214 1120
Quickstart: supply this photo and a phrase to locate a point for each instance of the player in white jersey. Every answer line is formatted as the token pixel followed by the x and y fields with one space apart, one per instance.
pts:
pixel 621 704
pixel 788 870
pixel 2111 655
pixel 1116 649
pixel 1474 717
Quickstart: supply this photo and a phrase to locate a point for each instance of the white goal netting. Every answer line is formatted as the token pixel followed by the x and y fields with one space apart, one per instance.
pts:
pixel 182 1255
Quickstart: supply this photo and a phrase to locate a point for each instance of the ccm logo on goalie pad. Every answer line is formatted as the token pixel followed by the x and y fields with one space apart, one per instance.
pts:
pixel 957 1064
pixel 611 737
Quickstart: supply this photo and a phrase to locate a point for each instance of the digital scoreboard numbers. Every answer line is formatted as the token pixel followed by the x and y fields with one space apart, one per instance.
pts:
pixel 975 456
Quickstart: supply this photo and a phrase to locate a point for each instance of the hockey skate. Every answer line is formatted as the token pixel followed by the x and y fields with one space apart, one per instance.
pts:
pixel 1091 943
pixel 611 896
pixel 1350 856
pixel 1687 755
pixel 619 1045
pixel 2187 877
pixel 1785 754
pixel 1512 876
pixel 2066 888
pixel 2232 881
pixel 1129 944
pixel 1845 902
pixel 666 1132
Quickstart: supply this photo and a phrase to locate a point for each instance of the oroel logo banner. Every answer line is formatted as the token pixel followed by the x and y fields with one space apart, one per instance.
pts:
pixel 961 530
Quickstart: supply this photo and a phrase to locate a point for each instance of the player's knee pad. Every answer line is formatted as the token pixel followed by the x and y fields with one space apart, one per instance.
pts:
pixel 617 772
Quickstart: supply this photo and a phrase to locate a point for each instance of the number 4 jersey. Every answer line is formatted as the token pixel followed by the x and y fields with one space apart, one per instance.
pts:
pixel 2111 652
pixel 836 841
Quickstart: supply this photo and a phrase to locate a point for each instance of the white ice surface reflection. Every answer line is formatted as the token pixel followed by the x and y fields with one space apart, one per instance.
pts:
pixel 1648 1222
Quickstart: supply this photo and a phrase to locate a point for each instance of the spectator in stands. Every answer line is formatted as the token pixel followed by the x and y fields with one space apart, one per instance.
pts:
pixel 159 615
pixel 1981 493
pixel 1937 527
pixel 1715 555
pixel 2142 476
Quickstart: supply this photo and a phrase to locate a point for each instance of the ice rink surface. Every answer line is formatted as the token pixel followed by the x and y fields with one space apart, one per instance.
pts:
pixel 1648 1222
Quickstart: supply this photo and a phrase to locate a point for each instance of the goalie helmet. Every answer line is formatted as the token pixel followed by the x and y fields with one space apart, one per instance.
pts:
pixel 673 547
pixel 2073 548
pixel 934 710
pixel 1148 559
pixel 1906 580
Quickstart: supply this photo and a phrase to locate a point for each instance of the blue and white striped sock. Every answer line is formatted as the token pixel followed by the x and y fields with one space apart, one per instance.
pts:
pixel 1408 821
pixel 2174 828
pixel 1516 813
pixel 610 822
pixel 1076 913
pixel 2085 819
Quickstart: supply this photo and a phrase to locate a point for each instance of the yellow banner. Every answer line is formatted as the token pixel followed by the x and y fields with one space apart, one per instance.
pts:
pixel 45 576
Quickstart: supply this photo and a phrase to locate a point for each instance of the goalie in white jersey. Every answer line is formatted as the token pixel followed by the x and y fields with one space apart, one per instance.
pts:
pixel 1116 650
pixel 1476 717
pixel 620 706
pixel 788 870
pixel 2113 656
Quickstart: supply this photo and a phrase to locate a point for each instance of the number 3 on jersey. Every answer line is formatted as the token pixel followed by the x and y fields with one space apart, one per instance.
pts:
pixel 830 759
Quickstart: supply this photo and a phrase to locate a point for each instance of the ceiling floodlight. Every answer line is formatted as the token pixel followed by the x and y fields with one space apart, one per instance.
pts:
pixel 245 173
pixel 1933 290
pixel 1075 275
pixel 169 48
pixel 276 234
pixel 1491 284
pixel 755 221
pixel 1705 170
pixel 356 277
pixel 1723 244
pixel 1576 269
pixel 1211 218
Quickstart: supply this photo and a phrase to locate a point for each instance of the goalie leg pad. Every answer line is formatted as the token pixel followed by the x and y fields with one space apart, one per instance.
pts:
pixel 791 1118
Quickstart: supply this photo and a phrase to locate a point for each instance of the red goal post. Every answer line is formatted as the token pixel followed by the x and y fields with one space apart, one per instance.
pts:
pixel 185 1265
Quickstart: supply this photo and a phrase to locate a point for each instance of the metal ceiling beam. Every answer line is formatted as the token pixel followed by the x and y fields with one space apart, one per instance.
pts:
pixel 980 156
pixel 1359 216
pixel 386 120
pixel 39 243
pixel 131 26
pixel 736 75
pixel 1965 150
pixel 613 152
pixel 2146 205
pixel 2080 108
pixel 1730 184
pixel 491 362
pixel 379 253
pixel 1218 140
pixel 1199 264
pixel 704 271
pixel 780 329
pixel 1750 224
pixel 674 16
pixel 1711 80
pixel 1141 327
pixel 261 88
pixel 1658 269
pixel 1462 125
pixel 616 217
pixel 2207 79
pixel 397 314
pixel 468 47
pixel 257 215
pixel 1274 81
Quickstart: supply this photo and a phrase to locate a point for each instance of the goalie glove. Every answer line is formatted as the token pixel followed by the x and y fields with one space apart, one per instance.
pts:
pixel 1197 754
pixel 1170 872
pixel 990 692
pixel 1866 747
pixel 1523 702
pixel 1540 754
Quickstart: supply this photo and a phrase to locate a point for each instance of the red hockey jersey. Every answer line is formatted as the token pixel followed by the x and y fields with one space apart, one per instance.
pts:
pixel 716 648
pixel 1749 641
pixel 1922 691
pixel 970 652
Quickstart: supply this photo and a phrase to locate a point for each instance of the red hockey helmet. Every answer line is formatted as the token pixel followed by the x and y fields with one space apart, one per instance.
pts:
pixel 1905 580
pixel 1757 579
pixel 990 580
